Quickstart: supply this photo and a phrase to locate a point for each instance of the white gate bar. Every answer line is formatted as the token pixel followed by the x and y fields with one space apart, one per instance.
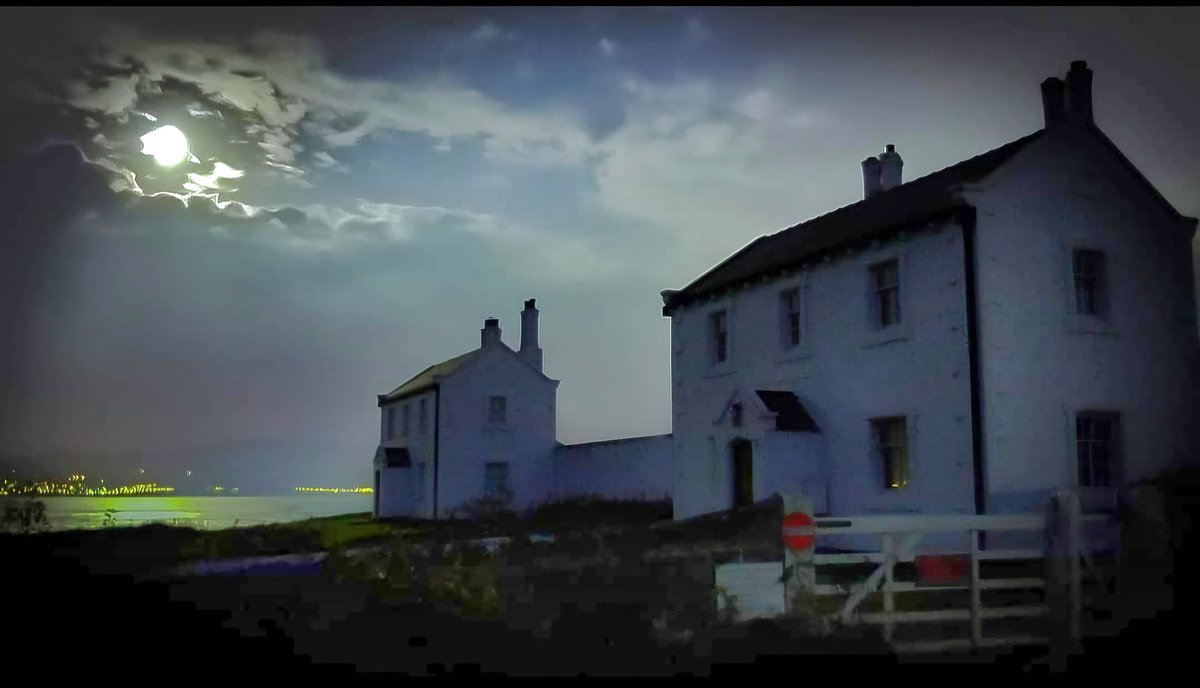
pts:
pixel 928 523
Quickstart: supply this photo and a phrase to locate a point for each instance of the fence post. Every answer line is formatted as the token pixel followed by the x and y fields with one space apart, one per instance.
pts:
pixel 1063 593
pixel 889 602
pixel 976 619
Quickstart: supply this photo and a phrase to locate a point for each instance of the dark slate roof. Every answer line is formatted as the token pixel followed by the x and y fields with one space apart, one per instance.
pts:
pixel 790 414
pixel 426 379
pixel 912 203
pixel 393 457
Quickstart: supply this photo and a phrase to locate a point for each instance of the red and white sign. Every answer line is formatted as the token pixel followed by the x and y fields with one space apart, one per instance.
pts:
pixel 798 531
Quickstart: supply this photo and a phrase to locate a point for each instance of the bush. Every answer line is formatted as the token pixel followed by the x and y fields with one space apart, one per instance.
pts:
pixel 27 516
pixel 487 508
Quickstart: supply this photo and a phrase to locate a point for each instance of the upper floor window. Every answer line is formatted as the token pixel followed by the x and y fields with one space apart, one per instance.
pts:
pixel 1087 267
pixel 391 422
pixel 497 410
pixel 404 425
pixel 891 441
pixel 885 284
pixel 421 418
pixel 719 336
pixel 1096 436
pixel 495 478
pixel 789 310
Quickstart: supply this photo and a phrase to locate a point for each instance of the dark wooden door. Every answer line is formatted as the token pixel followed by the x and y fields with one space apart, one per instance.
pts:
pixel 743 473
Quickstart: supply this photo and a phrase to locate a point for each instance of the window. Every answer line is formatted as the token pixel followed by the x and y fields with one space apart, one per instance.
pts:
pixel 719 328
pixel 391 423
pixel 497 412
pixel 404 425
pixel 789 308
pixel 1087 267
pixel 495 478
pixel 420 481
pixel 1096 436
pixel 891 441
pixel 885 283
pixel 421 418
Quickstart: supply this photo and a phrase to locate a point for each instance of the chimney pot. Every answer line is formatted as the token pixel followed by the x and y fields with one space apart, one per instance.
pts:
pixel 490 334
pixel 890 168
pixel 1053 100
pixel 530 350
pixel 1079 91
pixel 870 169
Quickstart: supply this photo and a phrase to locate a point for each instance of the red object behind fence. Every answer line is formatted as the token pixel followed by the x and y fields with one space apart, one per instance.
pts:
pixel 942 569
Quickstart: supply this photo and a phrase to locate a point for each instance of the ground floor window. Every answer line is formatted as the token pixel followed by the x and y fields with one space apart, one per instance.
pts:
pixel 891 444
pixel 495 478
pixel 1096 447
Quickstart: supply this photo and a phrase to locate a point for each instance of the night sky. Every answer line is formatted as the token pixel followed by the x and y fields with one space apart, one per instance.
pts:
pixel 365 186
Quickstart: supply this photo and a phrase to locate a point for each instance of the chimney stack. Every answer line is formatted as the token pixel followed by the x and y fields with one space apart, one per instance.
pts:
pixel 870 168
pixel 890 166
pixel 489 336
pixel 530 350
pixel 1079 91
pixel 1053 100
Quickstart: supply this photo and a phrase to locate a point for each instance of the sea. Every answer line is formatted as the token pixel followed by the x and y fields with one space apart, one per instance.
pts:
pixel 207 512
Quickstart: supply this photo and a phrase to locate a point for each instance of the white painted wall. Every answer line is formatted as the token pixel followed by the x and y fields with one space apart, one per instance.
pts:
pixel 468 441
pixel 400 492
pixel 846 372
pixel 630 468
pixel 1040 362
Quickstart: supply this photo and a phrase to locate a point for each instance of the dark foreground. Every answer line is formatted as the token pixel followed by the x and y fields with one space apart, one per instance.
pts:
pixel 594 603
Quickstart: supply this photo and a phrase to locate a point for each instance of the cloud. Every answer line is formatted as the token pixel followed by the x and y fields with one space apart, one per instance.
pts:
pixel 282 97
pixel 608 47
pixel 489 32
pixel 714 165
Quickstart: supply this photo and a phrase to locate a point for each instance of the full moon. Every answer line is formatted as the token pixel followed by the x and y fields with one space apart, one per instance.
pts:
pixel 167 145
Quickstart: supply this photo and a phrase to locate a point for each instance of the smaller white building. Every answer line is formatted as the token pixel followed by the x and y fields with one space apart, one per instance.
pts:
pixel 483 425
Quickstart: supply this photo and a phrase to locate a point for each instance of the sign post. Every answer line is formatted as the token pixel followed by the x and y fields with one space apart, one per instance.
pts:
pixel 799 537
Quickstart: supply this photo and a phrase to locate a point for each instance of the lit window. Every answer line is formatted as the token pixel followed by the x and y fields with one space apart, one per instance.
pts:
pixel 719 327
pixel 497 412
pixel 1087 267
pixel 885 281
pixel 891 441
pixel 789 307
pixel 1096 448
pixel 495 478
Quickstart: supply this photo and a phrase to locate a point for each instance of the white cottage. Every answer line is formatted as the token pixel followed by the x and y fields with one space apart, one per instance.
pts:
pixel 965 342
pixel 483 425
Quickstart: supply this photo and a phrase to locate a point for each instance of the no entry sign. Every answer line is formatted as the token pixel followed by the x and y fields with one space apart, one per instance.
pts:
pixel 798 531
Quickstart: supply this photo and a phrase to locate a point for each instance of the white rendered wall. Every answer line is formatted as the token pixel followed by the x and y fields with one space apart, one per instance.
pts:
pixel 469 441
pixel 845 373
pixel 632 468
pixel 1040 362
pixel 400 494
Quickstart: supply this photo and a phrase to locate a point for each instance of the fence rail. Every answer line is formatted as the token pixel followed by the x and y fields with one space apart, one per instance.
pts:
pixel 1059 559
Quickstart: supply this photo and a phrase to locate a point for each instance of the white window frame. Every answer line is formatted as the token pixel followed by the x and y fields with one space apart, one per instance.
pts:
pixel 901 330
pixel 502 420
pixel 881 459
pixel 714 348
pixel 504 485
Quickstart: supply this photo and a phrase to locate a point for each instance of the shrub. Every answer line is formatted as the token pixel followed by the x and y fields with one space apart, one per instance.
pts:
pixel 27 516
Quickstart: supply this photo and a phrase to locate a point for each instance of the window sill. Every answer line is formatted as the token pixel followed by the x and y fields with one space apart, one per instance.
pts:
pixel 887 335
pixel 1090 324
pixel 721 371
pixel 800 352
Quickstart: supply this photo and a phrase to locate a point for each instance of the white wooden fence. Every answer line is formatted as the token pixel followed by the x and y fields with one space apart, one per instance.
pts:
pixel 899 535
